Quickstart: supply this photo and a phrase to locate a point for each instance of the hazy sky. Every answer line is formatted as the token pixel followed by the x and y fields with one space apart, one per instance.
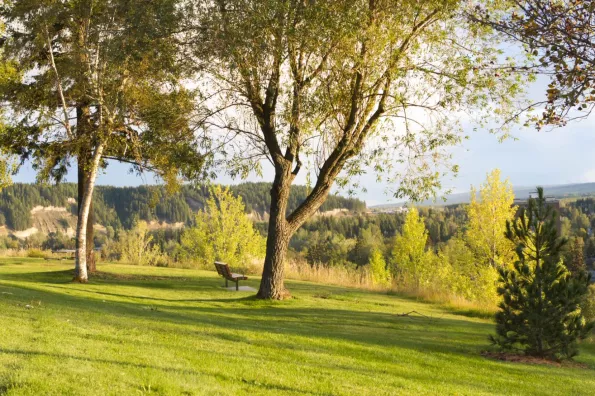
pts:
pixel 563 156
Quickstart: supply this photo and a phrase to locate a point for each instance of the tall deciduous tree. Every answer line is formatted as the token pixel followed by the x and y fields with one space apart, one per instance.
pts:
pixel 335 88
pixel 378 270
pixel 98 80
pixel 487 220
pixel 560 37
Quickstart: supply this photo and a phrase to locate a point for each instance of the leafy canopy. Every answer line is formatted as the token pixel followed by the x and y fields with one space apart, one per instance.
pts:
pixel 97 73
pixel 344 87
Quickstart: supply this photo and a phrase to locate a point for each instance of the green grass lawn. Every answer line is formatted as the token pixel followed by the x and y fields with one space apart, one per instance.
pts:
pixel 140 330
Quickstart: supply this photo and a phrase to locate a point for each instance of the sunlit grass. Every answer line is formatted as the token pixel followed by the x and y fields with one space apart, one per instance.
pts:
pixel 142 330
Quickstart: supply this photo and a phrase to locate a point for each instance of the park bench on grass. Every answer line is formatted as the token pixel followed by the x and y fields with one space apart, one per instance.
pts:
pixel 224 270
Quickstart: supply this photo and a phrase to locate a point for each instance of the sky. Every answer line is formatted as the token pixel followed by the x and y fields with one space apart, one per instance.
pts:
pixel 561 156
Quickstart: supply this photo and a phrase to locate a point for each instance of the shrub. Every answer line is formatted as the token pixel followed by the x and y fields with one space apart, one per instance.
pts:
pixel 36 253
pixel 136 247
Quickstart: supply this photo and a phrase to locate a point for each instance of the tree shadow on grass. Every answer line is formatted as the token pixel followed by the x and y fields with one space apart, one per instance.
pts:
pixel 297 332
pixel 143 366
pixel 247 314
pixel 199 282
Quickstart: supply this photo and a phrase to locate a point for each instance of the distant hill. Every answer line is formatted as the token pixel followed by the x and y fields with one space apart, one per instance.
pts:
pixel 556 191
pixel 31 208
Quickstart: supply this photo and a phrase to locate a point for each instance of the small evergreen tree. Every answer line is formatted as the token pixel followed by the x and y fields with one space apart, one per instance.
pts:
pixel 540 310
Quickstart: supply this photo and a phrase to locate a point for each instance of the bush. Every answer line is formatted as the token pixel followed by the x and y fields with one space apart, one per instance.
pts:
pixel 36 253
pixel 458 271
pixel 136 247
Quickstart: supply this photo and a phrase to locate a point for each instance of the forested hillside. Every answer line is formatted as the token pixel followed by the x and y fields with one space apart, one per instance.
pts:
pixel 120 207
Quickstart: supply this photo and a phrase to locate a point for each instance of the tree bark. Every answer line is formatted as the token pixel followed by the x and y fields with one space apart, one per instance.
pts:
pixel 80 269
pixel 84 127
pixel 91 265
pixel 282 227
pixel 279 233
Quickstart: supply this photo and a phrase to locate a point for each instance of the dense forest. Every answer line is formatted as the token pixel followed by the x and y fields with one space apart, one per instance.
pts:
pixel 333 240
pixel 121 207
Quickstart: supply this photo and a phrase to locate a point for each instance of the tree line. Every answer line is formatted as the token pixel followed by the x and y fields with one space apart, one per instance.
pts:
pixel 122 207
pixel 320 89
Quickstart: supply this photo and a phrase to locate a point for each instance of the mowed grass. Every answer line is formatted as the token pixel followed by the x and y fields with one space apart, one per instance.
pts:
pixel 139 330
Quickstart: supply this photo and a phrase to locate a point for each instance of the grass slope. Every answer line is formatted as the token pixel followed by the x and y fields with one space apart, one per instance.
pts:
pixel 139 330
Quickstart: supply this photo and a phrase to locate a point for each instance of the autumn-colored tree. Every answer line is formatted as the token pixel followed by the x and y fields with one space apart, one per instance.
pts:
pixel 378 270
pixel 333 88
pixel 222 232
pixel 410 262
pixel 559 37
pixel 487 221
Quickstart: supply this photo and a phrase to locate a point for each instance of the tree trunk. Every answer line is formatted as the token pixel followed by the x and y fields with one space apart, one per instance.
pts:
pixel 91 265
pixel 84 127
pixel 80 269
pixel 282 227
pixel 271 285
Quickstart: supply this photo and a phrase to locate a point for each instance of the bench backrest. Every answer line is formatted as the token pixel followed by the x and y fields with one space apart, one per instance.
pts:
pixel 223 269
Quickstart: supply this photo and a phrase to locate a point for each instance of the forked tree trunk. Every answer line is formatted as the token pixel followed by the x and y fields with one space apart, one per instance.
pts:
pixel 80 269
pixel 281 229
pixel 279 234
pixel 91 265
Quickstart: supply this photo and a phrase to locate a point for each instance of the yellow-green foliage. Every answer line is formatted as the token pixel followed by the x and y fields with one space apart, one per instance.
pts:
pixel 7 168
pixel 378 270
pixel 466 266
pixel 36 253
pixel 223 232
pixel 410 263
pixel 136 247
pixel 487 221
pixel 589 305
pixel 461 275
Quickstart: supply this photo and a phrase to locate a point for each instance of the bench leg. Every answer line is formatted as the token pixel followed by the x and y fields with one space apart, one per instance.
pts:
pixel 237 285
pixel 225 282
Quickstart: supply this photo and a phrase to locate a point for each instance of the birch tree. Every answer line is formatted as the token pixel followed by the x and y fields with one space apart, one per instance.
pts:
pixel 334 89
pixel 99 79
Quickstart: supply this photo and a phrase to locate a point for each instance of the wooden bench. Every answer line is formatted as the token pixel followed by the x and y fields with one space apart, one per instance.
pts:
pixel 224 270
